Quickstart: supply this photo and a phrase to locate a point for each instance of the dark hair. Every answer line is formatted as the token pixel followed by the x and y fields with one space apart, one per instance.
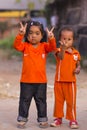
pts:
pixel 38 24
pixel 66 28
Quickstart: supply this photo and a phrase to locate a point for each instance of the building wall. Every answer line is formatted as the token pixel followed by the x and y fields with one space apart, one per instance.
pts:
pixel 74 13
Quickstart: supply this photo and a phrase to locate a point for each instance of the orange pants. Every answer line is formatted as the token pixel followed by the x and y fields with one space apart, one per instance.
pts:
pixel 65 91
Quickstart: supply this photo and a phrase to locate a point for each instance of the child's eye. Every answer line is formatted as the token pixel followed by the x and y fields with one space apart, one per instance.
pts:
pixel 69 39
pixel 37 33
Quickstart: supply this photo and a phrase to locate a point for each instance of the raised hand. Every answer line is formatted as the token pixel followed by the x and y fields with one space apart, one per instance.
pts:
pixel 50 32
pixel 63 44
pixel 77 70
pixel 22 29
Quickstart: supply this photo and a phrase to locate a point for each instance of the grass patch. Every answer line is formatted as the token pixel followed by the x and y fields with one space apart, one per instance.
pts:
pixel 6 44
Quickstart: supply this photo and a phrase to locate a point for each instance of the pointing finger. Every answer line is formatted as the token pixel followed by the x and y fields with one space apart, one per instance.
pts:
pixel 25 26
pixel 61 42
pixel 21 24
pixel 52 29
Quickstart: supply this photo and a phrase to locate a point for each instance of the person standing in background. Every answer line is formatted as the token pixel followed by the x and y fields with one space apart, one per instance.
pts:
pixel 54 20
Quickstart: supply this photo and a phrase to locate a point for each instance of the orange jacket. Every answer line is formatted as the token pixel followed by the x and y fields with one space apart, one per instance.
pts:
pixel 34 59
pixel 65 68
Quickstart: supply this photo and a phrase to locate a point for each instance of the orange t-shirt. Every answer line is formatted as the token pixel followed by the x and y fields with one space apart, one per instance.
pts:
pixel 65 68
pixel 34 59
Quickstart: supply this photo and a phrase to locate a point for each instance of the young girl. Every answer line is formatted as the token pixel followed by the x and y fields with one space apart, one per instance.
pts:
pixel 68 64
pixel 33 82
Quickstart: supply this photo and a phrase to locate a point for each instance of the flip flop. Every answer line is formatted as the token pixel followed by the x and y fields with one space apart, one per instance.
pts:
pixel 43 125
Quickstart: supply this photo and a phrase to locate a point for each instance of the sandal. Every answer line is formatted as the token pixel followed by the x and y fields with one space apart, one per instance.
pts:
pixel 21 124
pixel 43 125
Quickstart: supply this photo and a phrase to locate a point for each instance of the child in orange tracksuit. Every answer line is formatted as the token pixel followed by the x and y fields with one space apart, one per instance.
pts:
pixel 33 83
pixel 68 64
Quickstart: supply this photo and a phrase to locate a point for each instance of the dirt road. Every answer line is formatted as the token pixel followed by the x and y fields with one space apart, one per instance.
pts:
pixel 10 71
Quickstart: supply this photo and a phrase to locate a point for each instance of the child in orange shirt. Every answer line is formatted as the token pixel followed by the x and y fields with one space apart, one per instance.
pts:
pixel 33 82
pixel 68 64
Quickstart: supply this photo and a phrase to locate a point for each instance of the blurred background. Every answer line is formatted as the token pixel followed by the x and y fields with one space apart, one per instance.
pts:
pixel 55 13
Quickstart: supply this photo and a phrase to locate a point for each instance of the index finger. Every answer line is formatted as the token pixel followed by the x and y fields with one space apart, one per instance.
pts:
pixel 61 42
pixel 25 26
pixel 21 24
pixel 52 29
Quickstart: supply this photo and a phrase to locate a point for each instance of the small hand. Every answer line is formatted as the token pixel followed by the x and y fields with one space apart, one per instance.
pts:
pixel 77 70
pixel 50 33
pixel 23 28
pixel 63 44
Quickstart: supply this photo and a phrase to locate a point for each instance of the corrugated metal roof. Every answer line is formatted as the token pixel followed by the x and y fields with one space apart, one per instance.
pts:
pixel 12 4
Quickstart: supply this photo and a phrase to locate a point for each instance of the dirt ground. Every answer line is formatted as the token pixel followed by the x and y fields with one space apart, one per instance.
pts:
pixel 10 71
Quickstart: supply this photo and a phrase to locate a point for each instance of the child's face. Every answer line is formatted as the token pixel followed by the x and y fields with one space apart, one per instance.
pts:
pixel 67 38
pixel 34 35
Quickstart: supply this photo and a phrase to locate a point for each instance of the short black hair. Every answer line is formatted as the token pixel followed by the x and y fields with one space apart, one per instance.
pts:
pixel 66 28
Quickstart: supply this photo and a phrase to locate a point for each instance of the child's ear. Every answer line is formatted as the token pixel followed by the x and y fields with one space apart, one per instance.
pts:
pixel 42 36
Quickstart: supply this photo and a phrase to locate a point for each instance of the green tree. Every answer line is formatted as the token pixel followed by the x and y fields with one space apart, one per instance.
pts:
pixel 3 27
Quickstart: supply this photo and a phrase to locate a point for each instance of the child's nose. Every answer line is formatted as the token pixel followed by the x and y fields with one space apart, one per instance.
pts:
pixel 33 35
